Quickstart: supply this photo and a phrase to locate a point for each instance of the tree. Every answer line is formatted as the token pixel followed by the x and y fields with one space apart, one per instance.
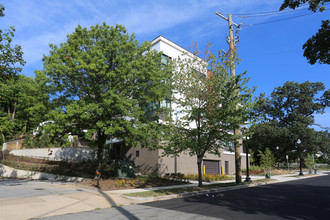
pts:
pixel 11 57
pixel 323 141
pixel 23 104
pixel 309 162
pixel 317 48
pixel 208 105
pixel 269 135
pixel 267 159
pixel 288 117
pixel 104 82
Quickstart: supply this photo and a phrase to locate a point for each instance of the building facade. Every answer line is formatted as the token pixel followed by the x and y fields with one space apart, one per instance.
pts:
pixel 154 161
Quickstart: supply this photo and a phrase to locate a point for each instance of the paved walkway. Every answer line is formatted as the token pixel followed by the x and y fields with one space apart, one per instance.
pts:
pixel 71 198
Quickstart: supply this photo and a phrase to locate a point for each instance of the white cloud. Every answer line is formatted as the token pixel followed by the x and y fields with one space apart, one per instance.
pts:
pixel 39 23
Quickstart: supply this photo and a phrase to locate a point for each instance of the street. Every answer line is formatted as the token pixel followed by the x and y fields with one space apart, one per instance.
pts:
pixel 12 188
pixel 301 199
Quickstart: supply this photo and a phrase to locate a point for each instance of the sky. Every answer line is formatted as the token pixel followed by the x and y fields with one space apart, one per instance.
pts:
pixel 270 47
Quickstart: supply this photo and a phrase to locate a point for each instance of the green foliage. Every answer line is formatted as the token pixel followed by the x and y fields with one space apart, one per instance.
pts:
pixel 288 117
pixel 103 82
pixel 208 103
pixel 317 47
pixel 23 105
pixel 2 8
pixel 267 159
pixel 11 62
pixel 208 177
pixel 11 56
pixel 323 140
pixel 314 5
pixel 44 140
pixel 309 161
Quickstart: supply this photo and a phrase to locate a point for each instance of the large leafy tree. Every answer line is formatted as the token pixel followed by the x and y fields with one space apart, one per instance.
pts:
pixel 289 114
pixel 317 48
pixel 104 82
pixel 23 104
pixel 11 62
pixel 209 103
pixel 11 56
pixel 323 140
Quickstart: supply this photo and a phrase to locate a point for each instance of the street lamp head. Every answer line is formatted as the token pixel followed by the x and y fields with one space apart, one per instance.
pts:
pixel 298 141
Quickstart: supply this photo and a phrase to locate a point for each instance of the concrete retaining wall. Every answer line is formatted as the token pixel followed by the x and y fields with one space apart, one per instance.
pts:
pixel 9 172
pixel 57 154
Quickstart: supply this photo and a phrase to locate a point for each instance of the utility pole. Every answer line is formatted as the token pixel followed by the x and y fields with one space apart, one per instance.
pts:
pixel 237 131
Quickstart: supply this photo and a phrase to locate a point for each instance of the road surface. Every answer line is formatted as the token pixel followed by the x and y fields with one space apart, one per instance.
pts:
pixel 301 199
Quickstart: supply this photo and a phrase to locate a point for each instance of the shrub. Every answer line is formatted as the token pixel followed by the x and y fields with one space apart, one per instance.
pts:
pixel 132 183
pixel 117 183
pixel 208 177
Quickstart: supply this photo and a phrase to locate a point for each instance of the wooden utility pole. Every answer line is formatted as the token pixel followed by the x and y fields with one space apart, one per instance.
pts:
pixel 237 131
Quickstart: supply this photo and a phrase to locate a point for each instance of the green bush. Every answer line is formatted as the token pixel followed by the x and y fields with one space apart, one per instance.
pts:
pixel 208 177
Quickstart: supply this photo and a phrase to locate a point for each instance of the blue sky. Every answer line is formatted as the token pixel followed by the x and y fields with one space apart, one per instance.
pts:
pixel 271 53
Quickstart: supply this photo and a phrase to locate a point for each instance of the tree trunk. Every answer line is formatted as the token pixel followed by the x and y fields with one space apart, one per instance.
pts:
pixel 3 137
pixel 14 112
pixel 199 165
pixel 101 138
pixel 237 159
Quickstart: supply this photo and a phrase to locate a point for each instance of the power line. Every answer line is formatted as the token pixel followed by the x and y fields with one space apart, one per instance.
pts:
pixel 283 19
pixel 270 14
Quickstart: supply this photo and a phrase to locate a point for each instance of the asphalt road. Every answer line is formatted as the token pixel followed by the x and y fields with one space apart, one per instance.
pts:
pixel 301 199
pixel 12 188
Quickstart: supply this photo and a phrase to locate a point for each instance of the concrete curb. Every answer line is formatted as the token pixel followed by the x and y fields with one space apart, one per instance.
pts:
pixel 9 172
pixel 183 195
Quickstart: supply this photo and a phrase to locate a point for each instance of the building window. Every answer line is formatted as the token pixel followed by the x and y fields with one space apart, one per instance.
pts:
pixel 165 60
pixel 137 153
pixel 229 146
pixel 165 104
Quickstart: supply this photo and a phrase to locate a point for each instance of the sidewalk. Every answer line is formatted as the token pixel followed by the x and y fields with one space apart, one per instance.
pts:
pixel 82 198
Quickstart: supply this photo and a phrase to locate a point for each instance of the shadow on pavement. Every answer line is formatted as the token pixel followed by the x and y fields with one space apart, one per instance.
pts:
pixel 302 199
pixel 114 205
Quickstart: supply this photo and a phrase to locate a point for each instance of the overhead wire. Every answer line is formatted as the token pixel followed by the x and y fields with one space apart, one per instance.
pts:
pixel 269 13
pixel 283 19
pixel 274 13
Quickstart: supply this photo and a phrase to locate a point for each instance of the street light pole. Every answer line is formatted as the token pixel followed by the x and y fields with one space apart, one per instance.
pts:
pixel 300 162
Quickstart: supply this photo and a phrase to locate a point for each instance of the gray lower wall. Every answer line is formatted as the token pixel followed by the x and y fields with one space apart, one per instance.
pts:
pixel 58 154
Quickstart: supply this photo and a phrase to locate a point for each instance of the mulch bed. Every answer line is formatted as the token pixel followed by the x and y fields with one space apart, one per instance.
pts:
pixel 86 170
pixel 139 182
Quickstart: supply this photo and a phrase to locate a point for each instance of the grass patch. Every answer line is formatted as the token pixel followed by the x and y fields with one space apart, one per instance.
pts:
pixel 166 192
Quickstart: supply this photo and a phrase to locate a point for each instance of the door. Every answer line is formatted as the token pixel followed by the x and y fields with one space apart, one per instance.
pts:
pixel 211 166
pixel 226 167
